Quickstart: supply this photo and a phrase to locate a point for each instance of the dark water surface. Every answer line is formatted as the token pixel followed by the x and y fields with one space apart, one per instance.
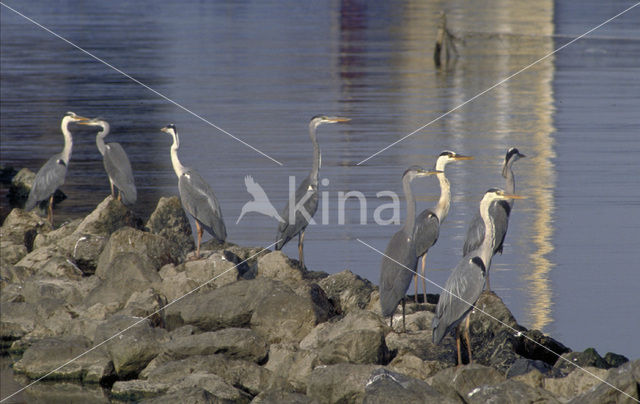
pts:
pixel 260 70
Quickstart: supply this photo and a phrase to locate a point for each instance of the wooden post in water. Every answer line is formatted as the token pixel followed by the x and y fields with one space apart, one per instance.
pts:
pixel 444 39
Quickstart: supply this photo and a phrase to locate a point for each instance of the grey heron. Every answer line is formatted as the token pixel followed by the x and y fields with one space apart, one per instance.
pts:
pixel 499 212
pixel 296 218
pixel 116 164
pixel 52 174
pixel 465 284
pixel 399 261
pixel 196 195
pixel 427 227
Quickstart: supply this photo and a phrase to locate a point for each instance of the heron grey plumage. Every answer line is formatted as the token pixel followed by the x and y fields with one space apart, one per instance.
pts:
pixel 52 174
pixel 296 218
pixel 499 211
pixel 400 260
pixel 464 285
pixel 196 195
pixel 116 164
pixel 427 226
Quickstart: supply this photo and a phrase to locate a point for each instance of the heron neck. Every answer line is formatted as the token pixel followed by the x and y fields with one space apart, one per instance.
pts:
pixel 317 156
pixel 444 203
pixel 510 182
pixel 68 140
pixel 411 206
pixel 100 138
pixel 177 166
pixel 486 248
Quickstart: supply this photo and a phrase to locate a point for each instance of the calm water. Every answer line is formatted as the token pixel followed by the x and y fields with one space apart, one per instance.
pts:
pixel 261 70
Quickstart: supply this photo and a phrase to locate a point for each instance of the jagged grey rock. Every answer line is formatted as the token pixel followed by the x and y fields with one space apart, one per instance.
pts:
pixel 413 366
pixel 234 343
pixel 278 266
pixel 21 227
pixel 169 221
pixel 510 391
pixel 340 383
pixel 575 383
pixel 293 363
pixel 347 290
pixel 386 386
pixel 464 380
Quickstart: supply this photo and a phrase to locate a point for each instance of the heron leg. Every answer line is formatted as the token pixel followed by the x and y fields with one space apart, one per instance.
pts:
pixel 50 210
pixel 466 334
pixel 199 239
pixel 458 346
pixel 415 281
pixel 120 195
pixel 300 246
pixel 404 325
pixel 487 285
pixel 113 192
pixel 424 279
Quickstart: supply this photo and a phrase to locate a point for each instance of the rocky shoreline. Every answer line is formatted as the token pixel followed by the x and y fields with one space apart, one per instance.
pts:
pixel 259 329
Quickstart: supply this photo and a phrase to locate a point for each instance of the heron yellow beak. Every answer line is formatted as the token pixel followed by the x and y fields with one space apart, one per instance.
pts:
pixel 512 196
pixel 163 129
pixel 461 157
pixel 340 119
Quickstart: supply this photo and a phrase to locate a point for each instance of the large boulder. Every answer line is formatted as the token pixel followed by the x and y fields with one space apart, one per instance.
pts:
pixel 127 239
pixel 347 290
pixel 418 343
pixel 135 345
pixel 11 252
pixel 465 379
pixel 278 266
pixel 385 386
pixel 21 228
pixel 46 356
pixel 17 320
pixel 169 221
pixel 413 366
pixel 625 381
pixel 235 343
pixel 575 383
pixel 340 383
pixel 106 218
pixel 356 338
pixel 215 270
pixel 510 391
pixel 293 363
pixel 571 361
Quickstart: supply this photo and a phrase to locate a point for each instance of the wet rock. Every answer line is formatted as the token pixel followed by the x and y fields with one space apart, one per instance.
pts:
pixel 278 266
pixel 419 344
pixel 575 383
pixel 386 386
pixel 498 352
pixel 45 357
pixel 413 366
pixel 482 326
pixel 127 273
pixel 465 379
pixel 292 363
pixel 21 227
pixel 535 351
pixel 127 239
pixel 135 345
pixel 570 361
pixel 21 186
pixel 136 390
pixel 235 343
pixel 169 221
pixel 17 320
pixel 614 360
pixel 625 379
pixel 347 290
pixel 523 366
pixel 213 384
pixel 510 391
pixel 340 383
pixel 65 392
pixel 357 338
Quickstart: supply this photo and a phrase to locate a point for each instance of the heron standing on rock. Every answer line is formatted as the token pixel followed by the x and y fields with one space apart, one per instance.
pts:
pixel 427 227
pixel 116 164
pixel 196 195
pixel 499 211
pixel 465 284
pixel 296 218
pixel 52 174
pixel 399 261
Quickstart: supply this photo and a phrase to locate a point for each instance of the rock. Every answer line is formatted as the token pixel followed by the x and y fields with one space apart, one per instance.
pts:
pixel 357 338
pixel 213 384
pixel 11 252
pixel 537 351
pixel 415 367
pixel 55 236
pixel 178 284
pixel 46 356
pixel 278 266
pixel 385 386
pixel 572 360
pixel 575 383
pixel 614 360
pixel 214 269
pixel 37 290
pixel 86 251
pixel 60 268
pixel 323 307
pixel 158 250
pixel 293 363
pixel 533 378
pixel 21 186
pixel 21 228
pixel 465 379
pixel 106 218
pixel 17 320
pixel 127 273
pixel 347 290
pixel 419 344
pixel 277 397
pixel 510 391
pixel 249 256
pixel 147 303
pixel 135 345
pixel 235 343
pixel 340 383
pixel 34 260
pixel 625 379
pixel 65 392
pixel 523 366
pixel 169 221
pixel 136 390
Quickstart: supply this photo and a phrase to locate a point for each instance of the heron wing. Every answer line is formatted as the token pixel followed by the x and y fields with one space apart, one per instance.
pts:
pixel 288 230
pixel 426 231
pixel 500 211
pixel 396 272
pixel 462 289
pixel 475 235
pixel 199 200
pixel 118 168
pixel 49 178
